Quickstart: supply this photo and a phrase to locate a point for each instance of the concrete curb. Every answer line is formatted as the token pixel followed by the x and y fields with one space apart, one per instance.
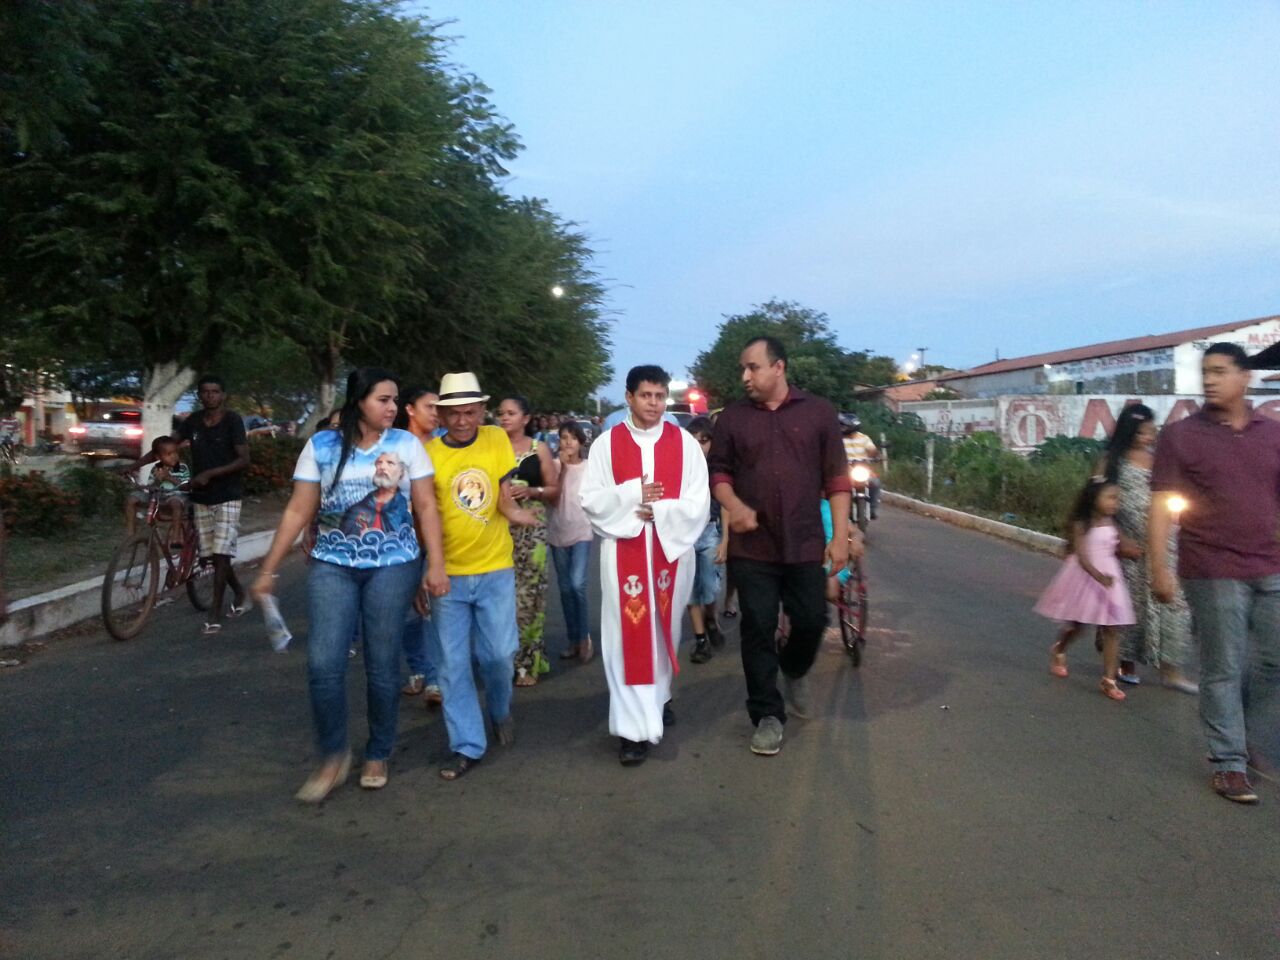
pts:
pixel 32 617
pixel 1042 542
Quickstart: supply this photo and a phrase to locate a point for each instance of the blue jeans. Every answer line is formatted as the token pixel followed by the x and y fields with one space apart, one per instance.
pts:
pixel 337 599
pixel 706 572
pixel 477 617
pixel 571 576
pixel 1234 707
pixel 421 643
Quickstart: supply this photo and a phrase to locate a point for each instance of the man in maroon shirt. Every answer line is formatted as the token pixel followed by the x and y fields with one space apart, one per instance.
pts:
pixel 772 457
pixel 1225 463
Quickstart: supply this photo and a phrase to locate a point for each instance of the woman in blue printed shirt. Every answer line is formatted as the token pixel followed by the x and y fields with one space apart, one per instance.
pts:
pixel 370 488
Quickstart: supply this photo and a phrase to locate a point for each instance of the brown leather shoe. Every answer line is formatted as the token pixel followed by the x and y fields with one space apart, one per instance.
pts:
pixel 1234 785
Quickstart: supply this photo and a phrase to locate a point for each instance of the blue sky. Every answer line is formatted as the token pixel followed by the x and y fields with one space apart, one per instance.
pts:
pixel 965 177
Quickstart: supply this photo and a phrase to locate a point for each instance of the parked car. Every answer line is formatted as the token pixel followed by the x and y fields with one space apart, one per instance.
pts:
pixel 111 432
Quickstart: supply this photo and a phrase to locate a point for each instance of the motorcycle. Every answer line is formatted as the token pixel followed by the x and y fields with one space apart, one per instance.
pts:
pixel 861 477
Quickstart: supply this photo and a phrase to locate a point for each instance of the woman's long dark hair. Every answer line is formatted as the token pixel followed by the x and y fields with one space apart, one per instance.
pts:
pixel 1081 514
pixel 525 408
pixel 1130 420
pixel 408 397
pixel 359 385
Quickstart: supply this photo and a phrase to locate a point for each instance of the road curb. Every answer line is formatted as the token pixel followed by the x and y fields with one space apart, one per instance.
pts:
pixel 1042 542
pixel 33 617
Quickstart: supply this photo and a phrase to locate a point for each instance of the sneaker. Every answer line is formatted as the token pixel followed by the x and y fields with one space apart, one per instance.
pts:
pixel 767 739
pixel 701 651
pixel 1130 678
pixel 796 692
pixel 432 695
pixel 1234 785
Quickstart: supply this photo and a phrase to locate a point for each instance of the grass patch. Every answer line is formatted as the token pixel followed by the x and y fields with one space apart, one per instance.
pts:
pixel 37 564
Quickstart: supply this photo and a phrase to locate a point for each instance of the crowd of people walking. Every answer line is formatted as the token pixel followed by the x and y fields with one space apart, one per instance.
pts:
pixel 429 532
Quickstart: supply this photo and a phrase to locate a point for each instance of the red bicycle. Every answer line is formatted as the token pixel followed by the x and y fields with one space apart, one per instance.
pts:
pixel 851 606
pixel 132 581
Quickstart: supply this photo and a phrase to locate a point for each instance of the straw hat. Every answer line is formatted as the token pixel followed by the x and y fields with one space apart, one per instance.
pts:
pixel 457 389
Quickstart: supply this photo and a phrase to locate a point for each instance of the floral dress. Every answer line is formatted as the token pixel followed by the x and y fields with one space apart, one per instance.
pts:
pixel 530 558
pixel 1162 635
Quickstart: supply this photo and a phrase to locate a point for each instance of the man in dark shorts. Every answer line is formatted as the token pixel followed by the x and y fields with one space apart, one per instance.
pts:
pixel 1225 464
pixel 219 458
pixel 772 457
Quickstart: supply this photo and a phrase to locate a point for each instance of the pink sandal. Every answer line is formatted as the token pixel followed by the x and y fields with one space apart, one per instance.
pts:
pixel 1057 662
pixel 1109 689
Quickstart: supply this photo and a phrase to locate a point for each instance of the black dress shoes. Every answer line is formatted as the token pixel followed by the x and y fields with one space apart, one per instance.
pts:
pixel 632 753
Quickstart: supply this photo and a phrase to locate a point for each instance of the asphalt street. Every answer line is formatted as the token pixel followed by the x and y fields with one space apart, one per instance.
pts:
pixel 949 800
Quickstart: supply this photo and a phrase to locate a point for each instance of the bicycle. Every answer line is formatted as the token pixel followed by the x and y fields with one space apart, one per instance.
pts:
pixel 10 451
pixel 851 606
pixel 132 581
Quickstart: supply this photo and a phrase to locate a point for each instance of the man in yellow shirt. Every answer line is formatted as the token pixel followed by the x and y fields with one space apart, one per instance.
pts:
pixel 477 617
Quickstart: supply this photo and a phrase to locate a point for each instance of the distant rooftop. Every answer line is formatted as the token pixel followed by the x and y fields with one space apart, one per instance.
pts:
pixel 1108 349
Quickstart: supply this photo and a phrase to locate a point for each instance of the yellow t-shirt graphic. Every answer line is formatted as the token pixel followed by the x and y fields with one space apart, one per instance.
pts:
pixel 476 536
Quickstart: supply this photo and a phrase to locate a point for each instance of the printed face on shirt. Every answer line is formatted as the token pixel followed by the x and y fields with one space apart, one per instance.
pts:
pixel 387 471
pixel 472 491
pixel 647 404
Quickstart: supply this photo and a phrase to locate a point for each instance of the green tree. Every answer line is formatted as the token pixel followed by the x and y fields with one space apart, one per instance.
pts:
pixel 245 168
pixel 872 370
pixel 489 305
pixel 816 362
pixel 50 61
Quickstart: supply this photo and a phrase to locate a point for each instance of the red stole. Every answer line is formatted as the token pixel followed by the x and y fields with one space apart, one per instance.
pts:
pixel 633 577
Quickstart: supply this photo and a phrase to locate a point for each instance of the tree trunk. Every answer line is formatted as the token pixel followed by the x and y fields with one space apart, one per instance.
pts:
pixel 325 365
pixel 326 395
pixel 165 384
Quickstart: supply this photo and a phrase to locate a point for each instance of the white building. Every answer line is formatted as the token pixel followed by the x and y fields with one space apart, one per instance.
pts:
pixel 1080 392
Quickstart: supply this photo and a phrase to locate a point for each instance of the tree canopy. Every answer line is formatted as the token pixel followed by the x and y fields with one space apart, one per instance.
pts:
pixel 816 362
pixel 215 174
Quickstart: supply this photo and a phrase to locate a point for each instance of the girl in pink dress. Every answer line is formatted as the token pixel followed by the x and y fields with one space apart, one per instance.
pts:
pixel 1089 589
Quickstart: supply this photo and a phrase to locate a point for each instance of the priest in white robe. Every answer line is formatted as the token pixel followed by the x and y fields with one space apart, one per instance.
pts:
pixel 647 496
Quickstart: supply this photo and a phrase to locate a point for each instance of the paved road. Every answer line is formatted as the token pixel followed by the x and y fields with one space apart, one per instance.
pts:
pixel 950 801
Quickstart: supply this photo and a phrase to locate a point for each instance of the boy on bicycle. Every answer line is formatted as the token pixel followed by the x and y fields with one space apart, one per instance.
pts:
pixel 170 476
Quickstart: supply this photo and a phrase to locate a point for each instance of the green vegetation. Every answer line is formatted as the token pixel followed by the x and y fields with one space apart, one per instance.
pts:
pixel 978 475
pixel 192 185
pixel 816 362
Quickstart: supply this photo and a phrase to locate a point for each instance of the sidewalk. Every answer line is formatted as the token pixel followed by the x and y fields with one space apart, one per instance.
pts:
pixel 33 617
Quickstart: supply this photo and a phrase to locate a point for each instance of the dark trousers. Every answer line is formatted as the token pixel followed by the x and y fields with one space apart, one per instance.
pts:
pixel 801 589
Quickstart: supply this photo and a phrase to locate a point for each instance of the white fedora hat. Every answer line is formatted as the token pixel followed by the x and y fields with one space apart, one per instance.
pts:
pixel 459 388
